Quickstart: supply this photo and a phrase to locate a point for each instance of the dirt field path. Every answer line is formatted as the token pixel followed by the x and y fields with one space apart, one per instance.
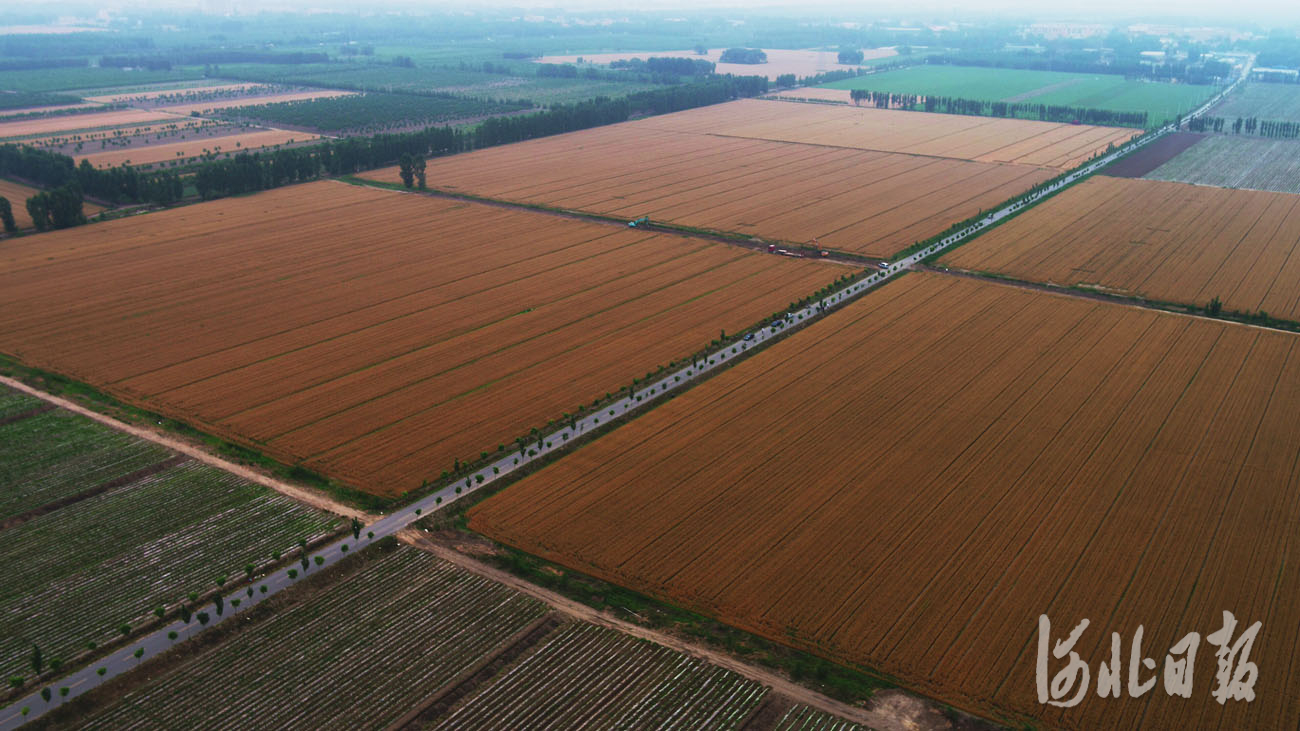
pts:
pixel 892 712
pixel 302 495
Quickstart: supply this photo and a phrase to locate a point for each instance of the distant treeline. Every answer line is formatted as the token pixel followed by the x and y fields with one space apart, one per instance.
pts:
pixel 1246 125
pixel 161 62
pixel 675 66
pixel 24 99
pixel 613 73
pixel 120 184
pixel 983 108
pixel 743 55
pixel 1203 72
pixel 35 64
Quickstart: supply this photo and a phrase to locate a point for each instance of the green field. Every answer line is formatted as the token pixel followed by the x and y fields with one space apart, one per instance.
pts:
pixel 89 78
pixel 1263 101
pixel 1099 91
pixel 13 402
pixel 53 455
pixel 73 574
pixel 1229 161
pixel 371 112
pixel 382 77
pixel 584 676
pixel 357 655
pixel 804 718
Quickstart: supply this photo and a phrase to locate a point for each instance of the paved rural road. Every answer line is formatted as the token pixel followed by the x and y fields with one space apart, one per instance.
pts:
pixel 158 641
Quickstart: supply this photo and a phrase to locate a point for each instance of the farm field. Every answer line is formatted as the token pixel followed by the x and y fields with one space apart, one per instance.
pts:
pixel 1278 102
pixel 71 122
pixel 90 77
pixel 57 454
pixel 217 105
pixel 1095 91
pixel 780 170
pixel 583 676
pixel 385 77
pixel 151 529
pixel 980 139
pixel 173 127
pixel 1087 460
pixel 1169 242
pixel 17 194
pixel 369 113
pixel 804 718
pixel 358 654
pixel 779 61
pixel 871 203
pixel 6 112
pixel 227 145
pixel 168 91
pixel 13 403
pixel 1236 162
pixel 382 359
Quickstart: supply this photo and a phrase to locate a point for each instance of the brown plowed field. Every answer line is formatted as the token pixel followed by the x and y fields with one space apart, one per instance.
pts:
pixel 373 335
pixel 982 139
pixel 1170 242
pixel 909 483
pixel 870 202
pixel 69 122
pixel 228 144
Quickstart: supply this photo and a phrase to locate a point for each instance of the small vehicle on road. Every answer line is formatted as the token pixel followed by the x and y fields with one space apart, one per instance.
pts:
pixel 749 336
pixel 883 265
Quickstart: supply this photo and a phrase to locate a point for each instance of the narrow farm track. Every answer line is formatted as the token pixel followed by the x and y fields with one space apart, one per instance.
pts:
pixel 302 495
pixel 880 720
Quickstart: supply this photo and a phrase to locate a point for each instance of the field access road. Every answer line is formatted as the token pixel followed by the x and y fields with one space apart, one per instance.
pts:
pixel 158 641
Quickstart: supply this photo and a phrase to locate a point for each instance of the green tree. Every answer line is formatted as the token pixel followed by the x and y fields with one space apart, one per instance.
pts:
pixel 38 209
pixel 406 169
pixel 1214 308
pixel 38 661
pixel 419 172
pixel 7 215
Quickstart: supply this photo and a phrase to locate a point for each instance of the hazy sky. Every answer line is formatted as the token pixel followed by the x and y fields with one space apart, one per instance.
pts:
pixel 1266 12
